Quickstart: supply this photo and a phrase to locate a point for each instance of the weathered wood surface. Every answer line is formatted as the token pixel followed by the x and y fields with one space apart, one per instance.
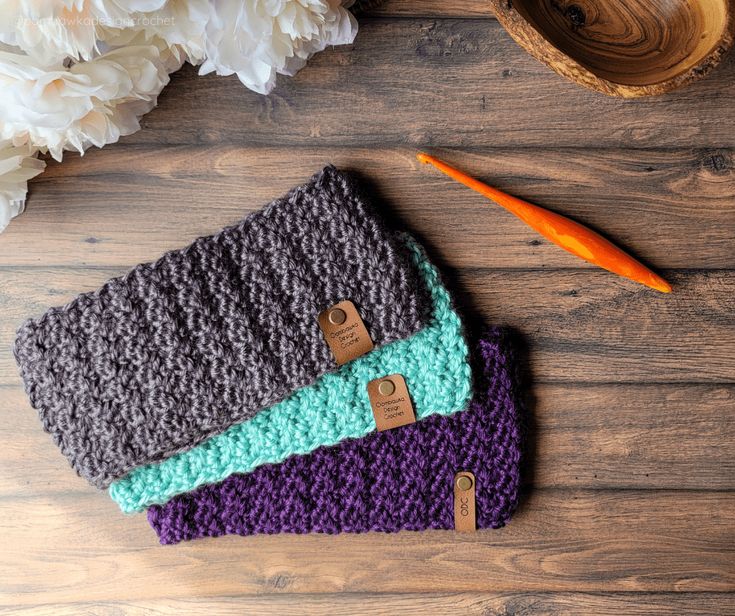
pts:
pixel 580 325
pixel 436 82
pixel 675 208
pixel 427 8
pixel 409 604
pixel 562 540
pixel 599 436
pixel 629 497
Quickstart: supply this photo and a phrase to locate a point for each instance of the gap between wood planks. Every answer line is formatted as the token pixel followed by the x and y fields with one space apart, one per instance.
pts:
pixel 674 210
pixel 567 540
pixel 577 325
pixel 579 539
pixel 579 436
pixel 458 83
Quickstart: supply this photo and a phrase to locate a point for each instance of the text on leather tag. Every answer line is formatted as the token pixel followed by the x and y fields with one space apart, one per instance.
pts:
pixel 390 402
pixel 464 502
pixel 344 331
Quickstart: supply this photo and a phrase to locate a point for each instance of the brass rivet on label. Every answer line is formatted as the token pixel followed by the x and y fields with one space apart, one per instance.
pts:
pixel 386 387
pixel 465 509
pixel 337 316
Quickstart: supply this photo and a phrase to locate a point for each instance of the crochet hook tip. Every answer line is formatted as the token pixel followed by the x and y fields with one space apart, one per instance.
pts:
pixel 660 284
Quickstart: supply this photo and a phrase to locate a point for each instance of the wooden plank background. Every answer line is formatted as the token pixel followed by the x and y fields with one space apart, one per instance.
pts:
pixel 629 500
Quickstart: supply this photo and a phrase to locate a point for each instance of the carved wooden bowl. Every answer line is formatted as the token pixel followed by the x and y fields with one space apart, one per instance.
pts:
pixel 623 47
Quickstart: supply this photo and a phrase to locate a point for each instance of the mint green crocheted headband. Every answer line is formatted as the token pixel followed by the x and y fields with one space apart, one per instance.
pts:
pixel 434 363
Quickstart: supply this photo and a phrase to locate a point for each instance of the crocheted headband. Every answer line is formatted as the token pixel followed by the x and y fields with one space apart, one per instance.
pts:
pixel 180 349
pixel 434 364
pixel 401 479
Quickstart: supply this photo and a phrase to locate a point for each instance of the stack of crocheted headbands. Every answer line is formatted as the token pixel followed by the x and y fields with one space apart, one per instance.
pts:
pixel 202 385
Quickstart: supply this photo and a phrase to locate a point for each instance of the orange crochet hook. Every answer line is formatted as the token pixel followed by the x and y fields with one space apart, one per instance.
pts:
pixel 570 235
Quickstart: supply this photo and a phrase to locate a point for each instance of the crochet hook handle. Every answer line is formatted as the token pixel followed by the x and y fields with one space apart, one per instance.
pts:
pixel 568 234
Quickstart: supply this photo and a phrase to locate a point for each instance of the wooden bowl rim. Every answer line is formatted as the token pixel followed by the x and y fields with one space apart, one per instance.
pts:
pixel 526 35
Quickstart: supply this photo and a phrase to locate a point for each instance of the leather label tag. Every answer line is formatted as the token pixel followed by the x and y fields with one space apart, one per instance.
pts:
pixel 464 502
pixel 345 333
pixel 390 402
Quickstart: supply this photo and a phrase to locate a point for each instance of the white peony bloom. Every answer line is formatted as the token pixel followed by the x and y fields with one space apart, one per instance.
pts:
pixel 89 103
pixel 53 30
pixel 257 39
pixel 17 166
pixel 179 23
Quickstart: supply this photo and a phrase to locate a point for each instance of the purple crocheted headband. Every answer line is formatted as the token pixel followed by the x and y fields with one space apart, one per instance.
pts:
pixel 178 350
pixel 401 479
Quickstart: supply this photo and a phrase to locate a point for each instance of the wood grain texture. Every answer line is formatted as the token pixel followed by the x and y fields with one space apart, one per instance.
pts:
pixel 626 48
pixel 409 604
pixel 581 325
pixel 580 436
pixel 566 540
pixel 629 497
pixel 198 189
pixel 478 9
pixel 448 82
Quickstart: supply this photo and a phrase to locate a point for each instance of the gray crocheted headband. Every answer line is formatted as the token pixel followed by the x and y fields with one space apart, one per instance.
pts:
pixel 180 349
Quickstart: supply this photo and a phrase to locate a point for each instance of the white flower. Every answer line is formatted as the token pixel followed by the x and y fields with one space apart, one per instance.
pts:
pixel 258 38
pixel 179 23
pixel 53 30
pixel 89 103
pixel 17 166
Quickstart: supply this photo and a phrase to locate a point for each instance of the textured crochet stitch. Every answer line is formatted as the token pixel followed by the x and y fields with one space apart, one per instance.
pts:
pixel 434 363
pixel 178 350
pixel 401 479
